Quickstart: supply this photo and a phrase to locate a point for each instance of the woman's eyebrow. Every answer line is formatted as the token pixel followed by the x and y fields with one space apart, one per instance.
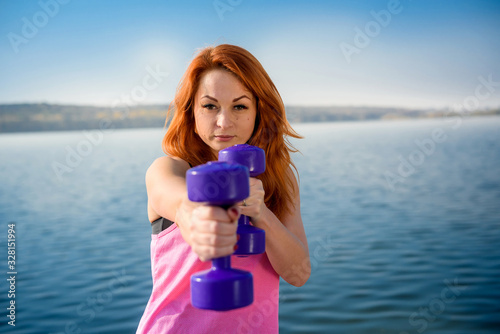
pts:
pixel 209 97
pixel 236 99
pixel 242 96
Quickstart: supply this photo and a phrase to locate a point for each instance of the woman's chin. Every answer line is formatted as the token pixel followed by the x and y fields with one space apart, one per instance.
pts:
pixel 222 145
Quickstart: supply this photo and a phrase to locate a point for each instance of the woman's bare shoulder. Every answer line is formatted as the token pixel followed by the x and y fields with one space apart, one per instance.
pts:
pixel 168 165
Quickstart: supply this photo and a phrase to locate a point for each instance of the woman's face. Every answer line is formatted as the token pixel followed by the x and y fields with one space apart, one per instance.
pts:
pixel 224 110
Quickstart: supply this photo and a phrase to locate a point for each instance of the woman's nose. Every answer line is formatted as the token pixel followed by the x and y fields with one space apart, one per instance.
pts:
pixel 224 118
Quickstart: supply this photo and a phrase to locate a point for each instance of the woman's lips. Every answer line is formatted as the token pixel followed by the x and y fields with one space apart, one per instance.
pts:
pixel 224 137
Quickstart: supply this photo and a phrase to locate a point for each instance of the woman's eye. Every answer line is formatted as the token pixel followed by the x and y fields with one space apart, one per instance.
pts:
pixel 240 107
pixel 209 106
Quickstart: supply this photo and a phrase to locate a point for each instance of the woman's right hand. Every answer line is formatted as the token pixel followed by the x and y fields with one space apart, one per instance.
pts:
pixel 209 230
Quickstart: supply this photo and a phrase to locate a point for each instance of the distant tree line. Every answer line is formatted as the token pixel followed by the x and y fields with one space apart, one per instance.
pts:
pixel 55 117
pixel 52 117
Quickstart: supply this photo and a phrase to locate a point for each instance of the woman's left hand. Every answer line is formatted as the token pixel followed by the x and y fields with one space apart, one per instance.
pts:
pixel 254 205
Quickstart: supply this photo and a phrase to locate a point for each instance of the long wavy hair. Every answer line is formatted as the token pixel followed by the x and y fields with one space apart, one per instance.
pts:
pixel 271 129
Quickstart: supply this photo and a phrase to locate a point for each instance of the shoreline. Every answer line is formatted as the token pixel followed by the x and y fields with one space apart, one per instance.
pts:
pixel 17 118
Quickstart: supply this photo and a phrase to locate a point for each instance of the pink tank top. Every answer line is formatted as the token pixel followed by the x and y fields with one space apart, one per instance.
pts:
pixel 169 308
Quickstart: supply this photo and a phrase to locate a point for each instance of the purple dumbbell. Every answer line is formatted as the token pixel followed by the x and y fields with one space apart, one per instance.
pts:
pixel 220 288
pixel 252 239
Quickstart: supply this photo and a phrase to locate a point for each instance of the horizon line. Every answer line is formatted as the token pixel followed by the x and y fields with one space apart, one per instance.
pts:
pixel 428 108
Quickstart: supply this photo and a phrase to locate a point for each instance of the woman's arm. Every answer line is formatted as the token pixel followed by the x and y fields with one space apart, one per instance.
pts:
pixel 210 231
pixel 286 242
pixel 166 187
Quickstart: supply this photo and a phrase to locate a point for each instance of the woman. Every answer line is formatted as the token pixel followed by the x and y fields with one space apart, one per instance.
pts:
pixel 225 98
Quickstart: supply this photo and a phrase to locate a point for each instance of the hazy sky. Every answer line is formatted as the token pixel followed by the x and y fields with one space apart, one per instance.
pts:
pixel 420 53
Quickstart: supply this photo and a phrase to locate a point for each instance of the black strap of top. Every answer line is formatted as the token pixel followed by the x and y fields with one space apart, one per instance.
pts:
pixel 161 224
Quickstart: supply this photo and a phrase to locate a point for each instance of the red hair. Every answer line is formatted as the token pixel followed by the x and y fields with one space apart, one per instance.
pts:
pixel 271 126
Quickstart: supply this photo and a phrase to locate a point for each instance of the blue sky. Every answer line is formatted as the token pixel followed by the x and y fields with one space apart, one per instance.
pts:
pixel 428 53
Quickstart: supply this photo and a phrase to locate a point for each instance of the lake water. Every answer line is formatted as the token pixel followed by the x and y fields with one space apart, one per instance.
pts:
pixel 402 217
